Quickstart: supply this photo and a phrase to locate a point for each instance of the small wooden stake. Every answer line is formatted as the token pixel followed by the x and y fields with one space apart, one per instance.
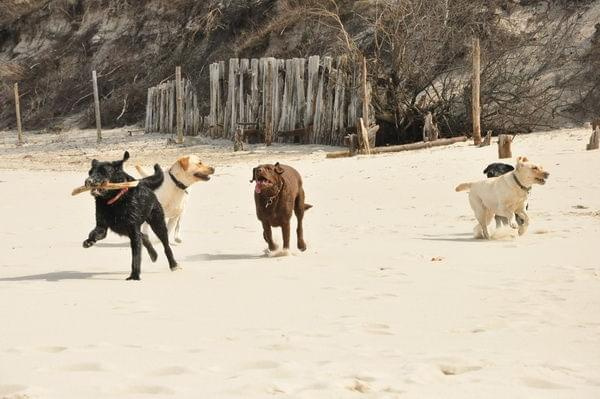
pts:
pixel 487 139
pixel 476 109
pixel 97 107
pixel 178 93
pixel 366 147
pixel 504 142
pixel 18 113
pixel 594 143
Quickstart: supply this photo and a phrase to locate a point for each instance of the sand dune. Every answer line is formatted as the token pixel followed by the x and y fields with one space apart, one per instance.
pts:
pixel 393 298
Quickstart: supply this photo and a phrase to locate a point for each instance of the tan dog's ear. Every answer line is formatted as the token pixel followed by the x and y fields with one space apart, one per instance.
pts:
pixel 521 161
pixel 184 162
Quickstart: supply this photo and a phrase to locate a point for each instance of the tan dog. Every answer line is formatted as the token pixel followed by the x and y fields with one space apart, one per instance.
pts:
pixel 504 195
pixel 172 193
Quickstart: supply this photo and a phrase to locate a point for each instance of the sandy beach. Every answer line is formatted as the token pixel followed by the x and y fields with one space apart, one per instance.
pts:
pixel 393 298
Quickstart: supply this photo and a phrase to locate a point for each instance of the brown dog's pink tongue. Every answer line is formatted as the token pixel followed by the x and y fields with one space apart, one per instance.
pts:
pixel 257 188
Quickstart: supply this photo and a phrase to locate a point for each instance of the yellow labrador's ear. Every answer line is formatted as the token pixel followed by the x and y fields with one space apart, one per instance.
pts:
pixel 184 162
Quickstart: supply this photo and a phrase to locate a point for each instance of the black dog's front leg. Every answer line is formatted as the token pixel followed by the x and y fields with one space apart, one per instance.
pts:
pixel 97 234
pixel 136 255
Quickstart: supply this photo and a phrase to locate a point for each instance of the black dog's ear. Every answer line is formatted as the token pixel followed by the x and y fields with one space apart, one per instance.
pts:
pixel 253 175
pixel 94 163
pixel 278 168
pixel 126 156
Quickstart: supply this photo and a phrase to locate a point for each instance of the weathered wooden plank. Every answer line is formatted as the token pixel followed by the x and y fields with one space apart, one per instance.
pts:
pixel 254 93
pixel 244 65
pixel 312 79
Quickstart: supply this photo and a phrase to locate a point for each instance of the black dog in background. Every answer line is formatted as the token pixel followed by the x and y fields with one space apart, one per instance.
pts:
pixel 125 210
pixel 498 169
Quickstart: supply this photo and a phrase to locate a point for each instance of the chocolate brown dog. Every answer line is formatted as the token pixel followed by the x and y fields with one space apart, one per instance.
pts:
pixel 278 192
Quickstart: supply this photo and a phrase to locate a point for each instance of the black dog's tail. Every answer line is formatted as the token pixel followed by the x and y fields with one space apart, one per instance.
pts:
pixel 154 181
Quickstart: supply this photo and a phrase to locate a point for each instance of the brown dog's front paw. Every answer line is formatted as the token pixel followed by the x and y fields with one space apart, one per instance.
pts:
pixel 88 243
pixel 302 246
pixel 135 277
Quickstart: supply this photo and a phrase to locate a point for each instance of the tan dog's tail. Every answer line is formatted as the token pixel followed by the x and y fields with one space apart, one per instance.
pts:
pixel 463 187
pixel 141 171
pixel 307 206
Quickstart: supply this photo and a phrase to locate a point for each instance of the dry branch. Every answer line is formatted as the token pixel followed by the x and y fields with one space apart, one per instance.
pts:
pixel 106 186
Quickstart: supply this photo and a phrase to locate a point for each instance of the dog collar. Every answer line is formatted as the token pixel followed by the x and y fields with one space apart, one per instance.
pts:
pixel 179 184
pixel 271 199
pixel 119 195
pixel 526 189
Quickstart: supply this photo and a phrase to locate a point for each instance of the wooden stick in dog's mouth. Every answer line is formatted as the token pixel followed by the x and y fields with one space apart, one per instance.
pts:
pixel 106 186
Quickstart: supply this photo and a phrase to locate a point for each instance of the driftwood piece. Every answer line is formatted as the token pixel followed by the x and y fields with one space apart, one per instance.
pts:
pixel 504 143
pixel 404 147
pixel 487 140
pixel 594 140
pixel 106 186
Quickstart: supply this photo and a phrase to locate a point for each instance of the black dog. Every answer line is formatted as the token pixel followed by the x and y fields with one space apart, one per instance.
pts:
pixel 124 211
pixel 498 169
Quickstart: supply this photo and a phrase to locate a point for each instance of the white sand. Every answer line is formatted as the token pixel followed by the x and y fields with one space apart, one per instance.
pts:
pixel 365 312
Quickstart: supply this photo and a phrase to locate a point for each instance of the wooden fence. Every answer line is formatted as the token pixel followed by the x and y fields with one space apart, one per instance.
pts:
pixel 323 95
pixel 161 112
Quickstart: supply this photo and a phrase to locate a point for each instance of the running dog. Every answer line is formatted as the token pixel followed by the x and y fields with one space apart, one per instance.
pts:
pixel 505 195
pixel 123 211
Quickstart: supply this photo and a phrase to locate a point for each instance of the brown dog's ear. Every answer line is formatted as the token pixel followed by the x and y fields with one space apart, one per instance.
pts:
pixel 253 174
pixel 278 168
pixel 94 163
pixel 184 162
pixel 126 156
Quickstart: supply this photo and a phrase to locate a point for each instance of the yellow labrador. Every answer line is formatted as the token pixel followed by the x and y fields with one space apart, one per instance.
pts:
pixel 172 193
pixel 504 195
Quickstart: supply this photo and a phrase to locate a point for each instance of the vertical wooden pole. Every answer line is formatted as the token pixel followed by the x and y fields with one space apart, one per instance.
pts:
pixel 179 93
pixel 365 110
pixel 476 109
pixel 97 106
pixel 18 114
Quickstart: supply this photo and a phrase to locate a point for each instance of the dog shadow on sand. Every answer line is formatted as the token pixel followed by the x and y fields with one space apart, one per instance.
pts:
pixel 217 257
pixel 457 237
pixel 66 275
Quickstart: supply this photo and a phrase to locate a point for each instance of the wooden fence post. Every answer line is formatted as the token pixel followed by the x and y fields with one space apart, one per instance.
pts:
pixel 504 141
pixel 476 109
pixel 271 74
pixel 97 106
pixel 594 143
pixel 18 114
pixel 178 93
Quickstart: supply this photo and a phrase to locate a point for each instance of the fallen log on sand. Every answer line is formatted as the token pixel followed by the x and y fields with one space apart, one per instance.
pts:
pixel 404 147
pixel 106 186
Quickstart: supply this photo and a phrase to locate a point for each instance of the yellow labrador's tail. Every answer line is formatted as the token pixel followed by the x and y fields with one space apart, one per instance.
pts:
pixel 141 171
pixel 463 187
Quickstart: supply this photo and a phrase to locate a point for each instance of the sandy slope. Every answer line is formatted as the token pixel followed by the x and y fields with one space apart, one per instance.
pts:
pixel 364 312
